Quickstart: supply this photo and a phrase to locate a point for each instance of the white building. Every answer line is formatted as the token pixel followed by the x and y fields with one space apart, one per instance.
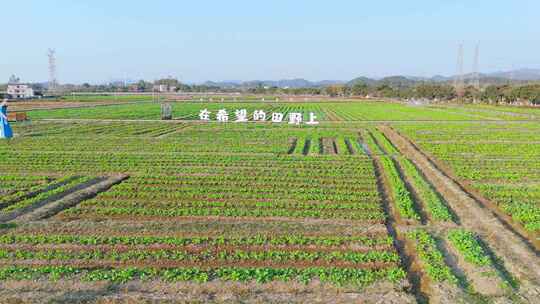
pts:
pixel 163 88
pixel 20 91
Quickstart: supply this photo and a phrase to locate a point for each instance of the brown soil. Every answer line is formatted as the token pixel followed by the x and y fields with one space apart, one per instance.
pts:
pixel 485 279
pixel 202 264
pixel 194 248
pixel 292 145
pixel 329 146
pixel 17 213
pixel 194 227
pixel 350 148
pixel 74 291
pixel 365 222
pixel 74 197
pixel 36 192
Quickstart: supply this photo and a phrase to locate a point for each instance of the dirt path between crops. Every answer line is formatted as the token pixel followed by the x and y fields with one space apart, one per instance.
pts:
pixel 84 192
pixel 518 256
pixel 156 291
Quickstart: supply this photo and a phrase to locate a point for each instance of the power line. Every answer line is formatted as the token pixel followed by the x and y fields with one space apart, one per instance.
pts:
pixel 459 80
pixel 51 53
pixel 476 74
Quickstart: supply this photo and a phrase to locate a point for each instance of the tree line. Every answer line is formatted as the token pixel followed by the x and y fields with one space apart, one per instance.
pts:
pixel 505 93
pixel 391 87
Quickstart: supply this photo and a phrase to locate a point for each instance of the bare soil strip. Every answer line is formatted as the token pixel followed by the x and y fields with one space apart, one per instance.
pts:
pixel 349 145
pixel 6 217
pixel 521 260
pixel 292 142
pixel 328 146
pixel 196 248
pixel 155 291
pixel 485 280
pixel 207 264
pixel 192 227
pixel 93 217
pixel 87 191
pixel 37 192
pixel 307 147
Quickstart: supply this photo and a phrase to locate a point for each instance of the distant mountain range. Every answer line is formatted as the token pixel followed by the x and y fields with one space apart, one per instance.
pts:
pixel 492 78
pixel 521 74
pixel 517 75
pixel 284 83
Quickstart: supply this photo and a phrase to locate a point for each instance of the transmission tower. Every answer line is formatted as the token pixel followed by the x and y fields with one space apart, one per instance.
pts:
pixel 51 53
pixel 459 80
pixel 512 74
pixel 476 74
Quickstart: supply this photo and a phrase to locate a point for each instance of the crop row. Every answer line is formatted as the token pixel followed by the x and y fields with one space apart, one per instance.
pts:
pixel 399 191
pixel 384 143
pixel 369 140
pixel 274 240
pixel 185 164
pixel 235 203
pixel 345 164
pixel 434 205
pixel 431 257
pixel 336 188
pixel 102 129
pixel 256 178
pixel 336 276
pixel 469 246
pixel 305 194
pixel 201 256
pixel 376 216
pixel 362 184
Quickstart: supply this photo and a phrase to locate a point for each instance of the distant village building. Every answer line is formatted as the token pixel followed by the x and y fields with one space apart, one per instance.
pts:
pixel 163 88
pixel 20 91
pixel 134 88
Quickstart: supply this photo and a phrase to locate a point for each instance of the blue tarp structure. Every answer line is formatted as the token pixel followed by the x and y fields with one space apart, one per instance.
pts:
pixel 5 128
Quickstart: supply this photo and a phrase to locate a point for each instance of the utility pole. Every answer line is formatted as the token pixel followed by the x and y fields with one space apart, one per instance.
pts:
pixel 458 80
pixel 51 53
pixel 476 73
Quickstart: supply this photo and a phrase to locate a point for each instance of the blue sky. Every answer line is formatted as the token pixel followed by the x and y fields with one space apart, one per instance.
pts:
pixel 98 40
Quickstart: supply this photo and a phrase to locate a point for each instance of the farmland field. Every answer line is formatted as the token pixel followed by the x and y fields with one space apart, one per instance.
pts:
pixel 501 161
pixel 437 203
pixel 325 110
